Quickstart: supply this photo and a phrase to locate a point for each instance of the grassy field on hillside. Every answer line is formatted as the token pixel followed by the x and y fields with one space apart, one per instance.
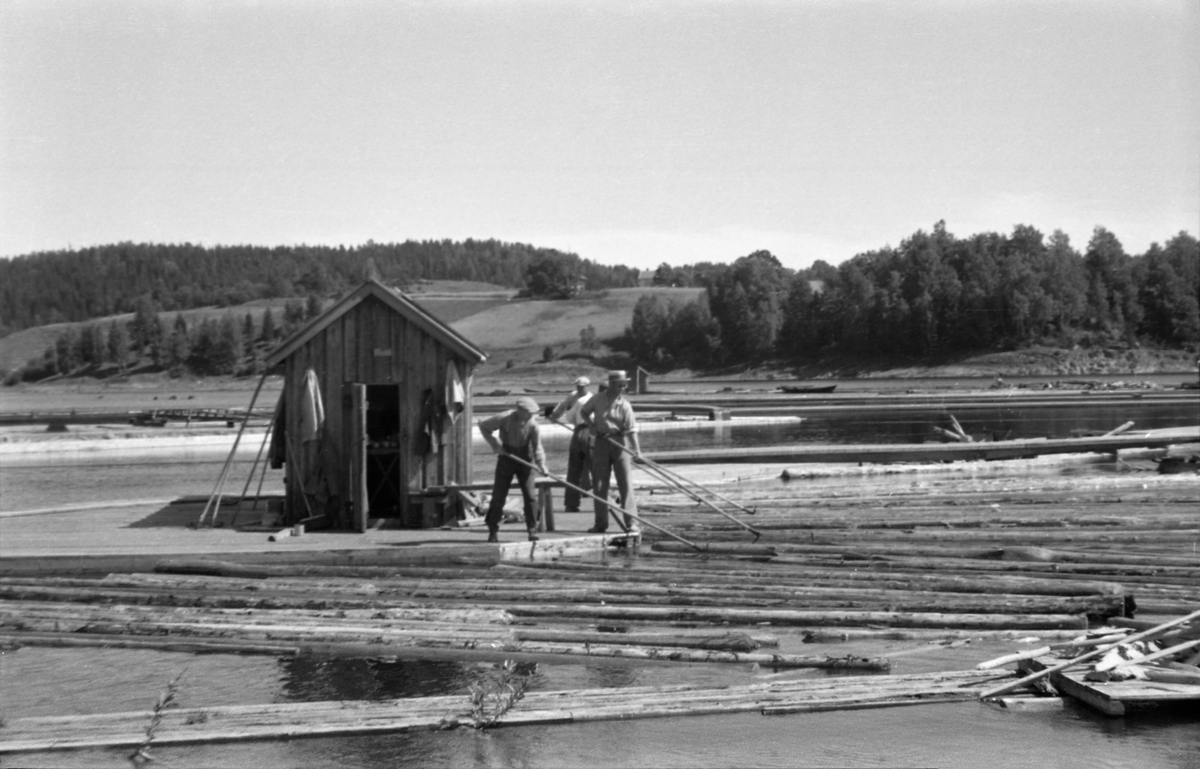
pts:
pixel 537 323
pixel 485 314
pixel 449 301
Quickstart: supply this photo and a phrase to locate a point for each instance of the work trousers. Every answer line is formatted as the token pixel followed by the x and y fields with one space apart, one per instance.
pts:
pixel 579 467
pixel 610 458
pixel 506 470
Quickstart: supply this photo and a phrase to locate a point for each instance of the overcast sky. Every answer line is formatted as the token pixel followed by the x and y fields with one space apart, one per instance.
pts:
pixel 627 132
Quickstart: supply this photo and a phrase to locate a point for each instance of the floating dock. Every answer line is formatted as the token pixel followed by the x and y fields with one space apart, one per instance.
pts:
pixel 1114 698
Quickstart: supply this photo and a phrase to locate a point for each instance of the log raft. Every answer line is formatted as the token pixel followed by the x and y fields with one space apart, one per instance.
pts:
pixel 200 725
pixel 920 561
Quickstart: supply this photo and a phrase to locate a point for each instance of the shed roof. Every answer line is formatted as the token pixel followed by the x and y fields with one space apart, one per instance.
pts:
pixel 395 300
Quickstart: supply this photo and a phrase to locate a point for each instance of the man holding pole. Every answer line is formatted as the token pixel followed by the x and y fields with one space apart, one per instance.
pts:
pixel 519 440
pixel 610 417
pixel 579 455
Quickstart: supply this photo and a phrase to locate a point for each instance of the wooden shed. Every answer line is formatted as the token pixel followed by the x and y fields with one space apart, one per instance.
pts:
pixel 375 409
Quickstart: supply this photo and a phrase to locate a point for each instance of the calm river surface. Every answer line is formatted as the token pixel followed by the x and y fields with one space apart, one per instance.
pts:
pixel 40 681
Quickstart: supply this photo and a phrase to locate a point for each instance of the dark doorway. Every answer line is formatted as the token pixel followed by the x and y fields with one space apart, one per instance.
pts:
pixel 385 494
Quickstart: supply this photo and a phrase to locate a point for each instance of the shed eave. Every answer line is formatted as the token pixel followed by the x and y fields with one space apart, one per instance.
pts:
pixel 392 298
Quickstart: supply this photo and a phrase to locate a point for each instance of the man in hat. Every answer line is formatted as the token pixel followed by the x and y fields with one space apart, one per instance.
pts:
pixel 519 439
pixel 579 455
pixel 610 416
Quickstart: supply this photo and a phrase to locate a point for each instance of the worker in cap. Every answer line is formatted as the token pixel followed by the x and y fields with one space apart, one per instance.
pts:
pixel 519 438
pixel 614 428
pixel 579 453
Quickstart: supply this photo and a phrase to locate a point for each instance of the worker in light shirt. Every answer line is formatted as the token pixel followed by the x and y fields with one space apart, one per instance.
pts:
pixel 610 416
pixel 519 438
pixel 579 454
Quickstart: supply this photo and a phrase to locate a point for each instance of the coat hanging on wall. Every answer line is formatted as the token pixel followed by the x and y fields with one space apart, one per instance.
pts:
pixel 456 397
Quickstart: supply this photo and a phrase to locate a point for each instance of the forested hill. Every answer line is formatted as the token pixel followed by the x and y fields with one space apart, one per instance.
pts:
pixel 934 295
pixel 76 285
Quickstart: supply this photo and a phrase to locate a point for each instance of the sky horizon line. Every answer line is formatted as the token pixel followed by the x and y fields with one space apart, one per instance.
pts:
pixel 676 131
pixel 1079 244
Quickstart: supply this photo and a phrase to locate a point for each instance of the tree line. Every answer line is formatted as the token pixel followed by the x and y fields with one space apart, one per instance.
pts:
pixel 212 345
pixel 237 346
pixel 933 295
pixel 80 284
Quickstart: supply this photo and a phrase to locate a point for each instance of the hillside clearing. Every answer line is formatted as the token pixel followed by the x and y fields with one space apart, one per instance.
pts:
pixel 521 324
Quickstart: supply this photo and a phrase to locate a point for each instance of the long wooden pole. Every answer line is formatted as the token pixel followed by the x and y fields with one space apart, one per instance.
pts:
pixel 1098 651
pixel 657 471
pixel 1168 652
pixel 683 479
pixel 672 535
pixel 679 481
pixel 294 464
pixel 253 469
pixel 216 495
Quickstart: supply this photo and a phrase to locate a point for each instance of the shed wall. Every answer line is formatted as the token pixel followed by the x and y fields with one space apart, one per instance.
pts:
pixel 354 349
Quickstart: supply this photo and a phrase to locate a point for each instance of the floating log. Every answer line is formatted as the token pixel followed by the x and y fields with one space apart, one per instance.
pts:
pixel 837 577
pixel 717 548
pixel 1186 574
pixel 731 641
pixel 158 643
pixel 754 594
pixel 805 618
pixel 923 452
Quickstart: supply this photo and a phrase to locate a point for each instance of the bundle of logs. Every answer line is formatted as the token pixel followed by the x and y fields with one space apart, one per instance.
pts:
pixel 1059 544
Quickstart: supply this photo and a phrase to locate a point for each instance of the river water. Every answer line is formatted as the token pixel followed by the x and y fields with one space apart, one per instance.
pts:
pixel 39 681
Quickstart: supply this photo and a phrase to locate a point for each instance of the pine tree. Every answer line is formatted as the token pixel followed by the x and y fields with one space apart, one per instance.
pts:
pixel 179 346
pixel 227 350
pixel 118 344
pixel 313 308
pixel 91 345
pixel 67 350
pixel 293 316
pixel 144 329
pixel 248 335
pixel 269 332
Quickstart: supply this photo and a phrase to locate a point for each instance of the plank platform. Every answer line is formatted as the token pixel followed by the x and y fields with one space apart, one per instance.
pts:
pixel 1113 698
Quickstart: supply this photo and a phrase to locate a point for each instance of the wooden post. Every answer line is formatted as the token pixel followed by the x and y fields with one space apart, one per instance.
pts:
pixel 641 381
pixel 545 508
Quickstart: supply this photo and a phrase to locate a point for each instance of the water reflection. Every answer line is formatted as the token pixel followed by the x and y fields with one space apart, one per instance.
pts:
pixel 315 679
pixel 872 425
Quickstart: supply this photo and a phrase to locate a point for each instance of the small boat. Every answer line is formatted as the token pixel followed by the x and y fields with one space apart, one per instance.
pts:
pixel 807 389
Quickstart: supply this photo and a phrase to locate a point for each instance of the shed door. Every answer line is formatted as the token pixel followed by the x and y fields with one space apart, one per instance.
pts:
pixel 377 462
pixel 356 419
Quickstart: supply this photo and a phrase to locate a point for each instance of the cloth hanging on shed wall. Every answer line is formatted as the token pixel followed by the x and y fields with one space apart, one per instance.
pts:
pixel 456 397
pixel 429 435
pixel 312 410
